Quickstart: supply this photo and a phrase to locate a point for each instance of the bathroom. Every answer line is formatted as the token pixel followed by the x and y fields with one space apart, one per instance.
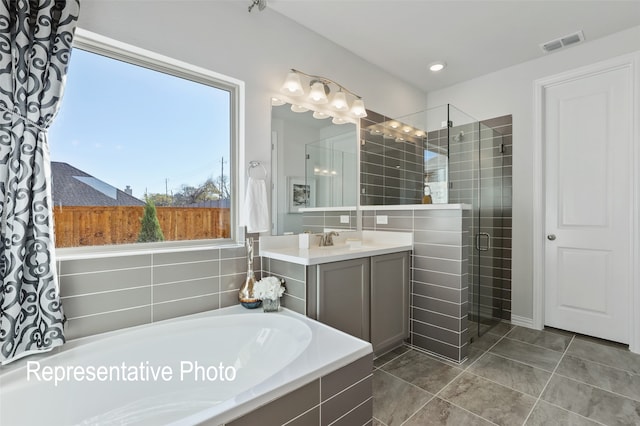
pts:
pixel 246 46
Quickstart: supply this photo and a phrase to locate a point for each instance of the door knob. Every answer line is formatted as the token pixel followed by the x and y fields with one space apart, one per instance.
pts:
pixel 551 237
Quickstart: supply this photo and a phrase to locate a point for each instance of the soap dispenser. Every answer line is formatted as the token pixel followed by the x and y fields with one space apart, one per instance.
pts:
pixel 426 198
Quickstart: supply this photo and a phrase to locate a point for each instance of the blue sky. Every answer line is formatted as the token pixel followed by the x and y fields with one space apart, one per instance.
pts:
pixel 127 125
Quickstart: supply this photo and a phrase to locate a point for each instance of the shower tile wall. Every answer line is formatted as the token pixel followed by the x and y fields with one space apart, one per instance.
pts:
pixel 439 289
pixel 391 172
pixel 109 293
pixel 495 186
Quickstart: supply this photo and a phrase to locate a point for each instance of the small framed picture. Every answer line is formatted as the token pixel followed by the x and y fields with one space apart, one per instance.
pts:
pixel 300 193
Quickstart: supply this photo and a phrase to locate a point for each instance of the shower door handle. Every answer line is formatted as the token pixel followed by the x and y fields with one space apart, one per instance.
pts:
pixel 479 245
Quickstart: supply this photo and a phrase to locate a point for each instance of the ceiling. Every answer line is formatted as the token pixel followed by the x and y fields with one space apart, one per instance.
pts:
pixel 473 37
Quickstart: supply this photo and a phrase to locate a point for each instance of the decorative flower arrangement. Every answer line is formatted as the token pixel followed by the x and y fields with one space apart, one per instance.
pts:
pixel 268 288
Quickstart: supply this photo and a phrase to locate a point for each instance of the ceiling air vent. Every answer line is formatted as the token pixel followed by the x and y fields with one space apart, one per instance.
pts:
pixel 561 42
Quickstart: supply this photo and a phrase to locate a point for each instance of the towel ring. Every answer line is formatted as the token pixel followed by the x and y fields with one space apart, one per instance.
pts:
pixel 254 165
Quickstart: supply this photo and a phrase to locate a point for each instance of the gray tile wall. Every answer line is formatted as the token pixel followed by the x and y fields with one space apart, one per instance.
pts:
pixel 343 397
pixel 109 293
pixel 295 277
pixel 391 172
pixel 316 222
pixel 439 276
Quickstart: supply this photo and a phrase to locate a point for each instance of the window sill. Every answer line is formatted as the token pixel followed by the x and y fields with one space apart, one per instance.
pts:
pixel 96 252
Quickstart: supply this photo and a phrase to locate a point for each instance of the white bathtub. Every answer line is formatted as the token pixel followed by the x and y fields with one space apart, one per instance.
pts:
pixel 217 365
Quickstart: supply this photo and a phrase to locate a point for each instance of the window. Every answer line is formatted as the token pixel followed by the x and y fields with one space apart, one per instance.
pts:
pixel 141 150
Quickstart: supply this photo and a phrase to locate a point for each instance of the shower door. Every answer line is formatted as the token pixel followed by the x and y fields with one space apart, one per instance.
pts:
pixel 476 177
pixel 492 234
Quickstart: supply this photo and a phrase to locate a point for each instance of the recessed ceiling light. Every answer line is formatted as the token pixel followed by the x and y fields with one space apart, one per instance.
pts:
pixel 437 66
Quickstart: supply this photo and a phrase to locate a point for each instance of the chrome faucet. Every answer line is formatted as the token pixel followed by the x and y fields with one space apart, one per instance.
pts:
pixel 326 239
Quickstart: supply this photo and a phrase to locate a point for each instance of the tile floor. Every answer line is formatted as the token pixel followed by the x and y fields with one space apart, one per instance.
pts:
pixel 514 376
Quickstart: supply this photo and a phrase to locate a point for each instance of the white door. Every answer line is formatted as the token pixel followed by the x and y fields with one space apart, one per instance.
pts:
pixel 588 163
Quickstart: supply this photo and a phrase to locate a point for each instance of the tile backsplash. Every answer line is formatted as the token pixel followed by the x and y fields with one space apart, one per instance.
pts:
pixel 109 293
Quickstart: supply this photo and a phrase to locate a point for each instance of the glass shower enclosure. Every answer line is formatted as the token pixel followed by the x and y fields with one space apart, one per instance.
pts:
pixel 331 170
pixel 465 161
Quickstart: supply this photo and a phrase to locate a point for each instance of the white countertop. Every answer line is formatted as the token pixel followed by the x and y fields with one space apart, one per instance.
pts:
pixel 373 243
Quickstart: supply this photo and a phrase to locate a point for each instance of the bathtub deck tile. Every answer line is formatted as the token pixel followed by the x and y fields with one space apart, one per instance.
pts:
pixel 358 416
pixel 346 376
pixel 283 409
pixel 310 418
pixel 342 403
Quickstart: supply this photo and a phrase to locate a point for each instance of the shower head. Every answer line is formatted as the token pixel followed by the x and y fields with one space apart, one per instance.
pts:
pixel 260 3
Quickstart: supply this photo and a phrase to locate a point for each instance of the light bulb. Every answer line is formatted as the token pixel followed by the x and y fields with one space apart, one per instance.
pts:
pixel 357 109
pixel 437 66
pixel 338 120
pixel 317 94
pixel 298 108
pixel 339 102
pixel 320 115
pixel 292 85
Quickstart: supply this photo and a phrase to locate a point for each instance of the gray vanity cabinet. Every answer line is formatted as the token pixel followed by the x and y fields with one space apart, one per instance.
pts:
pixel 366 297
pixel 389 300
pixel 343 296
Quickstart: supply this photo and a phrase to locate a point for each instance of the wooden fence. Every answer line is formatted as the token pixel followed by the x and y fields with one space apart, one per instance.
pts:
pixel 94 226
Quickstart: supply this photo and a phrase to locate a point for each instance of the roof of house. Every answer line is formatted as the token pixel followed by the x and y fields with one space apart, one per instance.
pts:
pixel 73 187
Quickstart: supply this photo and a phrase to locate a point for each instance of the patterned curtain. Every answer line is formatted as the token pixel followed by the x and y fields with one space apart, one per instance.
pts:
pixel 35 45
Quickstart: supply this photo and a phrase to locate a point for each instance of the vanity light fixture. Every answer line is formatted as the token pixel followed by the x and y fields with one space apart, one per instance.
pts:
pixel 397 131
pixel 298 108
pixel 437 66
pixel 341 103
pixel 338 120
pixel 320 115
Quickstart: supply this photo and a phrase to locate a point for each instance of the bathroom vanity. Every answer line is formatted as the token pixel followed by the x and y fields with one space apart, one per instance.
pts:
pixel 360 285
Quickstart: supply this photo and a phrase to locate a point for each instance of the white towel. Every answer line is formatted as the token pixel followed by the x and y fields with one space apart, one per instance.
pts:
pixel 256 206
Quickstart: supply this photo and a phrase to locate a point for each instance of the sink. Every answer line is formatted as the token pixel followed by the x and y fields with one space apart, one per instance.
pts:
pixel 347 246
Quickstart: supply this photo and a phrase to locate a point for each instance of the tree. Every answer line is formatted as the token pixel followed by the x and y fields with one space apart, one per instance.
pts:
pixel 160 200
pixel 187 195
pixel 150 230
